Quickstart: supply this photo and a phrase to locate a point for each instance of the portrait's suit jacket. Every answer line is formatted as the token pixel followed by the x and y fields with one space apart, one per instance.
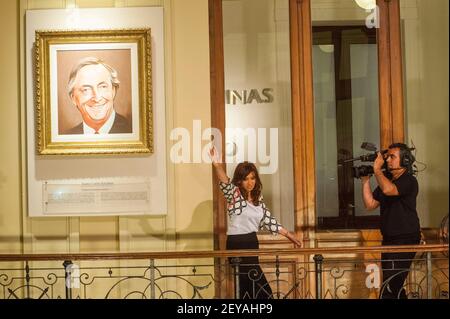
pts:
pixel 120 126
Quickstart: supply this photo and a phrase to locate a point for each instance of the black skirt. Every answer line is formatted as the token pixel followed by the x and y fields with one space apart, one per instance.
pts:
pixel 252 281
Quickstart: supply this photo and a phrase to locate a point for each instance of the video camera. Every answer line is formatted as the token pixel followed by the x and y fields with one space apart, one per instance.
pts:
pixel 366 170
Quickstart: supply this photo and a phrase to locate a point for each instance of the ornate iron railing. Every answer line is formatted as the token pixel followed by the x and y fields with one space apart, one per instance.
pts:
pixel 333 273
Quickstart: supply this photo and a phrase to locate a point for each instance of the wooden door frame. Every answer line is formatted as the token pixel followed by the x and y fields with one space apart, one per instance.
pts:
pixel 217 87
pixel 390 74
pixel 302 119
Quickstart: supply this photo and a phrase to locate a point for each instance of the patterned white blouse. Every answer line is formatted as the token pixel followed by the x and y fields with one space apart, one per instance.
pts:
pixel 244 217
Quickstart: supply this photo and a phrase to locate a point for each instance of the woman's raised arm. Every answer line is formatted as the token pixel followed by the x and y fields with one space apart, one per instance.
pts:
pixel 217 163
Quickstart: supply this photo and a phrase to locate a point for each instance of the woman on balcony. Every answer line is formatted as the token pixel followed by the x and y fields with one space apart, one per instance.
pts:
pixel 247 213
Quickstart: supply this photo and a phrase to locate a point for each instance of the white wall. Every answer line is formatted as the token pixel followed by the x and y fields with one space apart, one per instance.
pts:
pixel 425 63
pixel 256 56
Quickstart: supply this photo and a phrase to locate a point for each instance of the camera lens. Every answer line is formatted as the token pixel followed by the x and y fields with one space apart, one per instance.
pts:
pixel 363 170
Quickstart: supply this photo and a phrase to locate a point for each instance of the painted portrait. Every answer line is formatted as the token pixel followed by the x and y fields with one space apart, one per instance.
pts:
pixel 93 92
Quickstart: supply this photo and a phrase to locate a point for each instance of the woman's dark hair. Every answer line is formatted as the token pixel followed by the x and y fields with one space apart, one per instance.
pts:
pixel 240 173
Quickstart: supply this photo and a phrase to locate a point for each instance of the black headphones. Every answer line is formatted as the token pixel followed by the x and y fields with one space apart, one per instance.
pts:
pixel 407 159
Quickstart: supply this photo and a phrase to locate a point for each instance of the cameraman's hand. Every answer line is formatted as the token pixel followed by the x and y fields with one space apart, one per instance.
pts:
pixel 378 164
pixel 365 179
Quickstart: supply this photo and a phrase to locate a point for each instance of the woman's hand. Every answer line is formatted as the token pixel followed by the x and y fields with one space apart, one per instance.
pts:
pixel 214 155
pixel 217 161
pixel 292 238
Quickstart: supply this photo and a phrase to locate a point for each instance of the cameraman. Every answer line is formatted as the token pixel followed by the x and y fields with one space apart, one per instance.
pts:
pixel 396 196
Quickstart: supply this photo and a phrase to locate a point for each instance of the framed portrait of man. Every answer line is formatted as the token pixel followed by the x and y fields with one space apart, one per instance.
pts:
pixel 93 92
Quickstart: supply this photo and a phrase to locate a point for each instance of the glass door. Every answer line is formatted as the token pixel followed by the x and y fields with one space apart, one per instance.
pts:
pixel 346 109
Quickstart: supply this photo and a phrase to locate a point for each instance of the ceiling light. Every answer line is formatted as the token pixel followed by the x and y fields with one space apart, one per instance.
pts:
pixel 366 4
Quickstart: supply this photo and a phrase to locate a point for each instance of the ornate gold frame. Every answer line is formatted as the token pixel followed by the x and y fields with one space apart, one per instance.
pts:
pixel 45 39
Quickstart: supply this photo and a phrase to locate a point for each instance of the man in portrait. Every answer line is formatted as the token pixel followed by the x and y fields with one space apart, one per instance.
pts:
pixel 92 87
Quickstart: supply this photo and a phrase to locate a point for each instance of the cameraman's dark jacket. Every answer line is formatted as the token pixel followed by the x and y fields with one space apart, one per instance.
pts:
pixel 398 213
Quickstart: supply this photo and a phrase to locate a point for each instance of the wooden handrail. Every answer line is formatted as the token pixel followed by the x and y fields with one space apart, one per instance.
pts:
pixel 224 253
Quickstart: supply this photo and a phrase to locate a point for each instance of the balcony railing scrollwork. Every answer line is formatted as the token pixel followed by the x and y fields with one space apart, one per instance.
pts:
pixel 294 273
